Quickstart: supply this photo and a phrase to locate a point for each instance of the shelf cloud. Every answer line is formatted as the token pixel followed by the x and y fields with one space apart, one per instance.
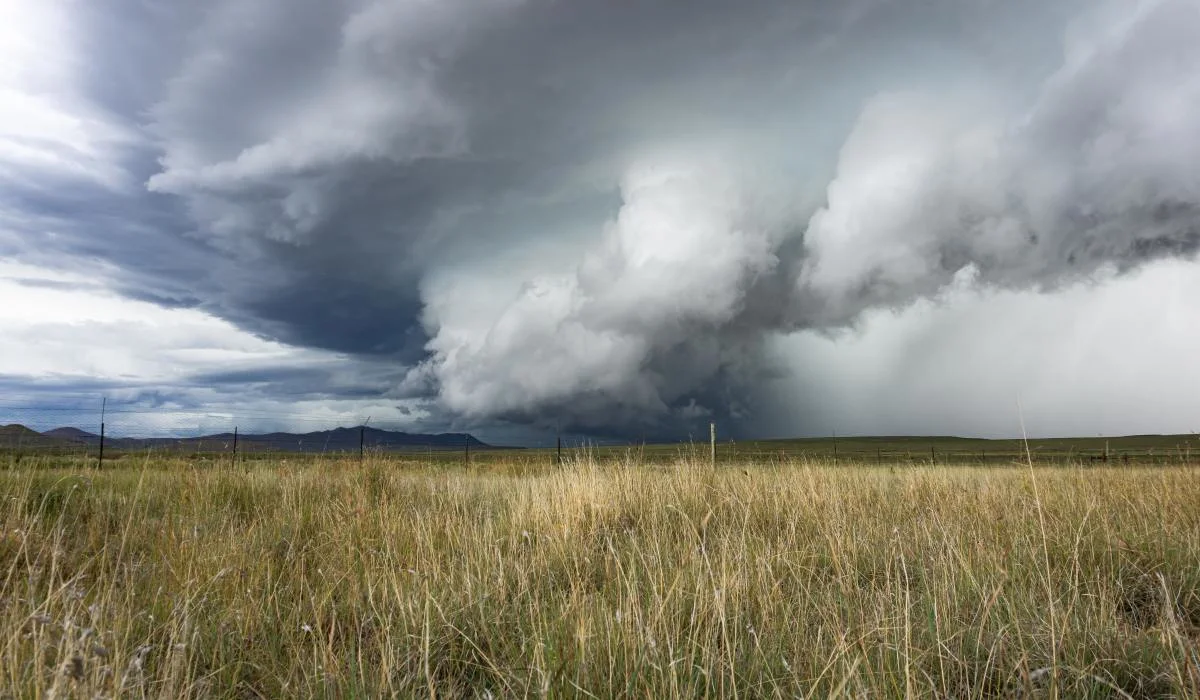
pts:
pixel 605 217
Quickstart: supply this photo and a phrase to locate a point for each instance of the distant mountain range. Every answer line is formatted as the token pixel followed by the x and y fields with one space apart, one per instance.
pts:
pixel 336 440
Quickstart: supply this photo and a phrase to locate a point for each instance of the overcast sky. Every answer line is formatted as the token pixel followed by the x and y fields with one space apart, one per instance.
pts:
pixel 622 219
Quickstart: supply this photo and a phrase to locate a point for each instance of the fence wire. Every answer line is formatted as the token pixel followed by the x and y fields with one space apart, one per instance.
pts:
pixel 112 432
pixel 94 433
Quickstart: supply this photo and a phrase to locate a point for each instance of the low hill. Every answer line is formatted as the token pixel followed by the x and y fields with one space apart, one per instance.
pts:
pixel 16 431
pixel 18 436
pixel 73 434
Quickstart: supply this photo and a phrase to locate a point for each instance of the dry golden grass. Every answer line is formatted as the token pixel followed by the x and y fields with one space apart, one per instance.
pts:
pixel 161 579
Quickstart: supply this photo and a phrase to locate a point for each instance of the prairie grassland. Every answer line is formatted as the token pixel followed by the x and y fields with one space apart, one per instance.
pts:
pixel 162 579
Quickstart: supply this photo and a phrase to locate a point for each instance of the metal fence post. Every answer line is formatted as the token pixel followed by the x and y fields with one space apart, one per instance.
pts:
pixel 103 410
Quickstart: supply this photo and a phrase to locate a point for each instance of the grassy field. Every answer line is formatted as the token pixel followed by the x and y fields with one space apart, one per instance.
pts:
pixel 779 577
pixel 1140 449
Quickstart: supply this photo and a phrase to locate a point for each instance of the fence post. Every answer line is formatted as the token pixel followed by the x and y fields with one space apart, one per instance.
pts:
pixel 362 439
pixel 558 441
pixel 467 450
pixel 932 456
pixel 712 442
pixel 835 454
pixel 235 436
pixel 103 408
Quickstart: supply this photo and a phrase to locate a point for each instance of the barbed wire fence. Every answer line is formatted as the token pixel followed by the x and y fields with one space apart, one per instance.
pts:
pixel 103 432
pixel 99 431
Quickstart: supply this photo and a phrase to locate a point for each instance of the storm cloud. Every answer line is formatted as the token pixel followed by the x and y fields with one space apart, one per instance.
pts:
pixel 602 216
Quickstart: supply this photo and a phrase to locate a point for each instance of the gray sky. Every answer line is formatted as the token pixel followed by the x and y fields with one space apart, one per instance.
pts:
pixel 621 218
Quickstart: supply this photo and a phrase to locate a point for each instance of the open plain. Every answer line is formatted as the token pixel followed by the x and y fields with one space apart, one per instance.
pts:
pixel 601 577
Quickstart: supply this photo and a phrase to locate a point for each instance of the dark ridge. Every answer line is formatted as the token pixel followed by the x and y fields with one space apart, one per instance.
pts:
pixel 74 434
pixel 336 440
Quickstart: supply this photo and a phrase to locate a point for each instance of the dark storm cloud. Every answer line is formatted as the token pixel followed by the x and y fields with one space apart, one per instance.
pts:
pixel 55 284
pixel 126 242
pixel 595 214
pixel 21 389
pixel 300 382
